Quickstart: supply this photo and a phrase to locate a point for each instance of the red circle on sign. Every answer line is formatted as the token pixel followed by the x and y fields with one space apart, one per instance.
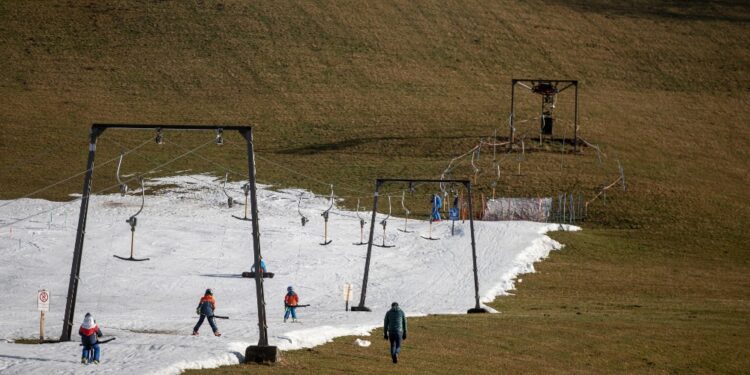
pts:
pixel 43 296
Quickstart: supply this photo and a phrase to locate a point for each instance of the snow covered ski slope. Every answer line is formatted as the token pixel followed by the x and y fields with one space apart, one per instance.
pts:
pixel 194 243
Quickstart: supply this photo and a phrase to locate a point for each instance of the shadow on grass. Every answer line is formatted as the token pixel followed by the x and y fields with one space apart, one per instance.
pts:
pixel 733 10
pixel 354 142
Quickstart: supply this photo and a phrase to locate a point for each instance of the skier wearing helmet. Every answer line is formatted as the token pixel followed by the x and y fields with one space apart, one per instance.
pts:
pixel 206 308
pixel 291 300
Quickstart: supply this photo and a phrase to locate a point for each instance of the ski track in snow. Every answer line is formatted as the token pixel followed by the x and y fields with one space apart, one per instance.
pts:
pixel 194 244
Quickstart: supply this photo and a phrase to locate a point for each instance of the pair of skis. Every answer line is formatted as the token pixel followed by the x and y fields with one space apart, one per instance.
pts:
pixel 298 306
pixel 104 341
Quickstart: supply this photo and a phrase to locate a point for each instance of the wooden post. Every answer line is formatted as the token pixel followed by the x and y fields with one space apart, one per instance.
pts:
pixel 41 326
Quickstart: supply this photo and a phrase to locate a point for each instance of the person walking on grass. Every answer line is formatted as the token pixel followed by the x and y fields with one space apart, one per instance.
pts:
pixel 205 309
pixel 291 300
pixel 90 334
pixel 394 329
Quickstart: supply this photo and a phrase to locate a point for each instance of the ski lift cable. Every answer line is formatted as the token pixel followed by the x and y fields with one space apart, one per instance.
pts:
pixel 308 176
pixel 259 157
pixel 75 175
pixel 226 175
pixel 108 187
pixel 454 164
pixel 205 183
pixel 225 168
pixel 450 164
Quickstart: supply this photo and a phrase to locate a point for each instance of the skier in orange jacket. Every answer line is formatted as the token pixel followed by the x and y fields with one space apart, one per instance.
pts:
pixel 291 300
pixel 206 308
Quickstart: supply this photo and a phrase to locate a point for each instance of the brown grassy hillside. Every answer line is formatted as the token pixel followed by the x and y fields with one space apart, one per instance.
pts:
pixel 349 91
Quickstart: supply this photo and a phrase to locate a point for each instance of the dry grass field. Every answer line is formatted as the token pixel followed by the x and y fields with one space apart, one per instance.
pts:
pixel 349 91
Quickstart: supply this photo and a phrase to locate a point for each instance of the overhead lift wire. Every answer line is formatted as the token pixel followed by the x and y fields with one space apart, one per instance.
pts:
pixel 311 178
pixel 75 175
pixel 206 183
pixel 109 187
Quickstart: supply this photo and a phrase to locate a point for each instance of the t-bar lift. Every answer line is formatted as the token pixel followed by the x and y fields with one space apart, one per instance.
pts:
pixel 380 182
pixel 258 353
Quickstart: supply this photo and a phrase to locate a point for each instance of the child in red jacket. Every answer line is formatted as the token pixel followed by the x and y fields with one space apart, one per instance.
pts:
pixel 90 334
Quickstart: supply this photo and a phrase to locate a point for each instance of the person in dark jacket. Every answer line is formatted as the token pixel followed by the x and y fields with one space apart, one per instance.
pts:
pixel 205 309
pixel 90 334
pixel 394 329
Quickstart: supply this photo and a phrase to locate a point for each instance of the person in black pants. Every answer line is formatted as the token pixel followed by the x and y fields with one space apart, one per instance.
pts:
pixel 205 309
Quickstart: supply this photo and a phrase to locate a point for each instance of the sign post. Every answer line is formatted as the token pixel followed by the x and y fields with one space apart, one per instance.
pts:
pixel 347 295
pixel 42 304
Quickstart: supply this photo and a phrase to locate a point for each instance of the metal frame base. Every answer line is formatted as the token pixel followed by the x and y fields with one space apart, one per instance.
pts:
pixel 262 354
